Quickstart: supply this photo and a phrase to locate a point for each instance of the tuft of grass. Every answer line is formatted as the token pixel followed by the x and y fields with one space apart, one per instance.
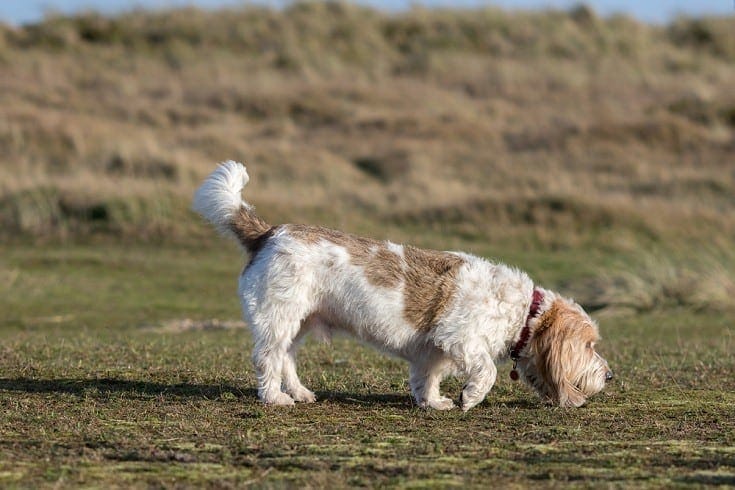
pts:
pixel 659 279
pixel 711 34
pixel 385 168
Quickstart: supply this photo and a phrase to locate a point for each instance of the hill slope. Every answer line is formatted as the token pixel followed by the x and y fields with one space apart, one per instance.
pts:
pixel 476 129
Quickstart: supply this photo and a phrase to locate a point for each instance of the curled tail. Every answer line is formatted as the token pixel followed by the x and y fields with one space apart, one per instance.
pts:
pixel 220 202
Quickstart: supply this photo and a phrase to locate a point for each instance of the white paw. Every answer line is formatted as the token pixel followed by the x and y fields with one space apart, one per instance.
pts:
pixel 303 395
pixel 442 403
pixel 467 406
pixel 280 399
pixel 469 400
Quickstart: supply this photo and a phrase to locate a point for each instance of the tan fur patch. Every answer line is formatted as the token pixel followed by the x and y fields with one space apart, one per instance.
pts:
pixel 382 266
pixel 566 317
pixel 431 281
pixel 429 276
pixel 251 230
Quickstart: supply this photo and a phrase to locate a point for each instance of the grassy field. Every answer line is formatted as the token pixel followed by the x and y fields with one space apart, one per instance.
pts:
pixel 597 154
pixel 114 373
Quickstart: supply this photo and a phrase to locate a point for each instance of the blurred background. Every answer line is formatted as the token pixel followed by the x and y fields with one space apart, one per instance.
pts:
pixel 591 144
pixel 654 11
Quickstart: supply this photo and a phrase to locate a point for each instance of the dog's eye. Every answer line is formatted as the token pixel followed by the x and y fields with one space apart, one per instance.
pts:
pixel 589 345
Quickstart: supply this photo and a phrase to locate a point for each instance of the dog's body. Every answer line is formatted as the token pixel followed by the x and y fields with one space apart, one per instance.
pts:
pixel 441 311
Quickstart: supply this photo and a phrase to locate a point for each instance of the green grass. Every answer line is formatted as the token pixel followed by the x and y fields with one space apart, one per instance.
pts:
pixel 99 388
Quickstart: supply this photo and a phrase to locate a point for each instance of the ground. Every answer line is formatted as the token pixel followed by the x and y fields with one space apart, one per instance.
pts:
pixel 104 383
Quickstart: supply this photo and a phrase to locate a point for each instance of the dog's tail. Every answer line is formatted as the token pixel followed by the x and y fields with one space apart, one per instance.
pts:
pixel 220 202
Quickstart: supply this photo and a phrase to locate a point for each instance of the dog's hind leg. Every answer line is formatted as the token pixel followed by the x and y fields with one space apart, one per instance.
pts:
pixel 275 330
pixel 277 334
pixel 276 296
pixel 291 382
pixel 268 360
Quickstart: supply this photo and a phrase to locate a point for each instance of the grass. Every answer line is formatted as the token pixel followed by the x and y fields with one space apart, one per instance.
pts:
pixel 595 153
pixel 103 381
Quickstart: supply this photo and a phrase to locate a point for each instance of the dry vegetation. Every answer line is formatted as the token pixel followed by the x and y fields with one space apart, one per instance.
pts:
pixel 543 130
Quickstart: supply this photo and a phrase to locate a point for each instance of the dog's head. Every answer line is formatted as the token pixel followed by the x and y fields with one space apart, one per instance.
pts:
pixel 561 363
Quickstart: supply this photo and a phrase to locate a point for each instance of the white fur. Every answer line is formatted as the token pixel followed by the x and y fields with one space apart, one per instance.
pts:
pixel 293 287
pixel 219 198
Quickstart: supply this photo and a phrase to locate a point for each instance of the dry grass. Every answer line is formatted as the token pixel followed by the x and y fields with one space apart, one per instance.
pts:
pixel 553 130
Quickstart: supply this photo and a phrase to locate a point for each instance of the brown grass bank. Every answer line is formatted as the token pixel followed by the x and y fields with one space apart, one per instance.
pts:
pixel 549 130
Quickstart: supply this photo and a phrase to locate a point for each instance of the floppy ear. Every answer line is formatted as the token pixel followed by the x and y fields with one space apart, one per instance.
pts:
pixel 554 357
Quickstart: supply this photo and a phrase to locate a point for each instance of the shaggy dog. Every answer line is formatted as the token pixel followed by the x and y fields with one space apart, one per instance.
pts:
pixel 443 312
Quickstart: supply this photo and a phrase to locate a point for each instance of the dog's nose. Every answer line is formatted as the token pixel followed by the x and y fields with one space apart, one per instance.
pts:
pixel 608 375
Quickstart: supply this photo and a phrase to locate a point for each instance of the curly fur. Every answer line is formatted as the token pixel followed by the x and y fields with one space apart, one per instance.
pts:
pixel 444 312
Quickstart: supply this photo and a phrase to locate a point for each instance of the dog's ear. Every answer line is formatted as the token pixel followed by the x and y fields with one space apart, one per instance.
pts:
pixel 555 355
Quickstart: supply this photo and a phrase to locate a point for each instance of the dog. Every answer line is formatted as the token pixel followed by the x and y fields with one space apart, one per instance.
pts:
pixel 443 312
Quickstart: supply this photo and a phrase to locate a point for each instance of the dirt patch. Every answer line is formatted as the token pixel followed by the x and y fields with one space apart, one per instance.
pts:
pixel 188 325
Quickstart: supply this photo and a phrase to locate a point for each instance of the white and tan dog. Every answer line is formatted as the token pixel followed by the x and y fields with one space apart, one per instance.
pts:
pixel 444 312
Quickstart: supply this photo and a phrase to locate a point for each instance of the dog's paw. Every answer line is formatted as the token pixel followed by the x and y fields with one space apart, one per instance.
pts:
pixel 442 403
pixel 304 395
pixel 278 399
pixel 468 399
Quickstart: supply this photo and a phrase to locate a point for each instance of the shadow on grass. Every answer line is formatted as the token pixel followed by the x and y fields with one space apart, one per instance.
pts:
pixel 523 404
pixel 394 400
pixel 107 386
pixel 103 387
pixel 705 479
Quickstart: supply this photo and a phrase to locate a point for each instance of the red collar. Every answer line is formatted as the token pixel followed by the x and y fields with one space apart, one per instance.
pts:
pixel 538 298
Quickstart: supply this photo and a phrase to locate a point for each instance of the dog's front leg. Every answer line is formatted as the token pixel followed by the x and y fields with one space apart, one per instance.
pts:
pixel 425 378
pixel 482 374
